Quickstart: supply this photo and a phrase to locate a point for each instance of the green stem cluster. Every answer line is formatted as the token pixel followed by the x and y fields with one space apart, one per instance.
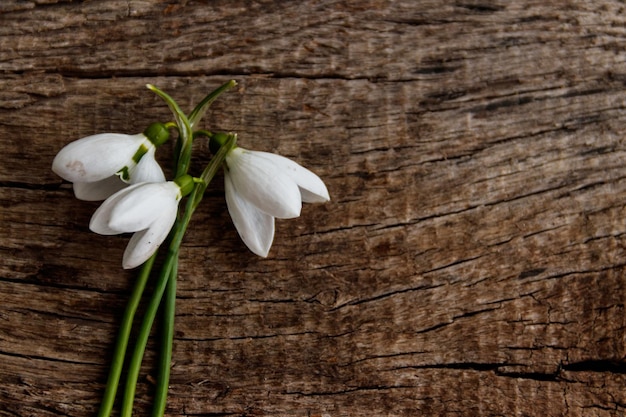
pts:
pixel 164 292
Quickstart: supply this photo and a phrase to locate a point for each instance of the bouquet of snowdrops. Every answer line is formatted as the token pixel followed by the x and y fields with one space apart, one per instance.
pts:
pixel 121 169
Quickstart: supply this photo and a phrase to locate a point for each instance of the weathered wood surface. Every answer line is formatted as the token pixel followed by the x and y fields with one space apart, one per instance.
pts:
pixel 471 262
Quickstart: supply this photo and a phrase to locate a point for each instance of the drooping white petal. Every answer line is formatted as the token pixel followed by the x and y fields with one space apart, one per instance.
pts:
pixel 311 197
pixel 312 188
pixel 148 169
pixel 96 157
pixel 143 243
pixel 255 228
pixel 99 190
pixel 259 181
pixel 100 220
pixel 137 210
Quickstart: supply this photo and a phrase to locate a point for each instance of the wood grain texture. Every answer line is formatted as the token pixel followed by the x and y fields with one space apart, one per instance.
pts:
pixel 471 262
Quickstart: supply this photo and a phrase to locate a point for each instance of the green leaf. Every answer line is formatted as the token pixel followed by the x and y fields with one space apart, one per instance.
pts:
pixel 184 126
pixel 185 138
pixel 201 108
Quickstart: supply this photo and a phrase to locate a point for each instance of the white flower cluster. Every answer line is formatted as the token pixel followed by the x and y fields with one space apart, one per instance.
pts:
pixel 121 169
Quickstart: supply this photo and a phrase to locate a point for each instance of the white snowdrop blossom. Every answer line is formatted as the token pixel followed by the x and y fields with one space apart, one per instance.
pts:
pixel 102 164
pixel 261 186
pixel 146 209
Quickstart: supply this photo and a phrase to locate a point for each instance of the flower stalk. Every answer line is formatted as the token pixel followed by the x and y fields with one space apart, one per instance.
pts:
pixel 122 339
pixel 167 342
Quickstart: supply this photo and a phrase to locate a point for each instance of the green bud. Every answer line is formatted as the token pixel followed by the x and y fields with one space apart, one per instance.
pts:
pixel 217 140
pixel 157 133
pixel 186 183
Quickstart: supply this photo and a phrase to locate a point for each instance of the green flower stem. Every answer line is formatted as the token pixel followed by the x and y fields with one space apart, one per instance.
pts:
pixel 142 339
pixel 184 131
pixel 167 272
pixel 213 166
pixel 167 339
pixel 202 132
pixel 151 311
pixel 122 340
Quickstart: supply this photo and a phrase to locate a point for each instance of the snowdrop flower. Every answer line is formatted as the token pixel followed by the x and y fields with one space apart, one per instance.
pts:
pixel 146 209
pixel 261 186
pixel 102 164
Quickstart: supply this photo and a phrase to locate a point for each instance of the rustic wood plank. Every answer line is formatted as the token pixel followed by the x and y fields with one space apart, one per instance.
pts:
pixel 471 261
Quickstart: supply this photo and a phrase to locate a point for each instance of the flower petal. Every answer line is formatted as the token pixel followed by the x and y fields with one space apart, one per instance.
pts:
pixel 140 208
pixel 259 181
pixel 100 220
pixel 99 190
pixel 147 170
pixel 311 186
pixel 96 157
pixel 255 228
pixel 144 243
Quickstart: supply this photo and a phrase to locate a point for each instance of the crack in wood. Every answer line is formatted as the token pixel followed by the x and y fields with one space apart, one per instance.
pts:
pixel 384 296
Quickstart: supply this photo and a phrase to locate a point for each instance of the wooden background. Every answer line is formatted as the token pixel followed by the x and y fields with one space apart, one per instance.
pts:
pixel 471 262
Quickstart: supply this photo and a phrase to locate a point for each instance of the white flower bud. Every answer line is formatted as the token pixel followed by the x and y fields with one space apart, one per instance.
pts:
pixel 261 186
pixel 96 163
pixel 146 209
